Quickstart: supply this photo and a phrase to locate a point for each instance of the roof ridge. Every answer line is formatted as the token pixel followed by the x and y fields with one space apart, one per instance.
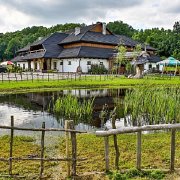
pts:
pixel 93 25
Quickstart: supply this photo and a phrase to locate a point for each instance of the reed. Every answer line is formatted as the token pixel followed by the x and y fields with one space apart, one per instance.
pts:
pixel 153 105
pixel 70 107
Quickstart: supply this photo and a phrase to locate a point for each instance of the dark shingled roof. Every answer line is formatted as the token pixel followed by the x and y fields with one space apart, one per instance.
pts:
pixel 154 59
pixel 86 35
pixel 87 52
pixel 50 45
pixel 53 44
pixel 35 55
pixel 149 58
pixel 18 59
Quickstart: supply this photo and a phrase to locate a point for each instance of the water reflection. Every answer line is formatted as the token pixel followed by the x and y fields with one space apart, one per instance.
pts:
pixel 31 109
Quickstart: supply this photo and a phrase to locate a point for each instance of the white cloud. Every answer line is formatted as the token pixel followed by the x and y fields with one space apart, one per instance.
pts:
pixel 17 14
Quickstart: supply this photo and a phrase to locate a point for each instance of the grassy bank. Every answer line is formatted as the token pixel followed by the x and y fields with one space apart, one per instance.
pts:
pixel 155 154
pixel 88 82
pixel 23 147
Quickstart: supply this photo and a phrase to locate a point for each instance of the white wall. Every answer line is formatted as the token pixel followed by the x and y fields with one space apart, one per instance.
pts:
pixel 82 62
pixel 75 62
pixel 146 66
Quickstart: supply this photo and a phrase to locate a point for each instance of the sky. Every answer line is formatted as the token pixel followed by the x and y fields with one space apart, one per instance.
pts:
pixel 141 14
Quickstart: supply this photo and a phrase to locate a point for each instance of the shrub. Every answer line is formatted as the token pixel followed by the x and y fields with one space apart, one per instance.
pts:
pixel 97 69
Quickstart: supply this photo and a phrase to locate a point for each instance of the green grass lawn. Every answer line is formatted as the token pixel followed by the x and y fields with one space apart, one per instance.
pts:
pixel 155 155
pixel 23 147
pixel 155 152
pixel 84 82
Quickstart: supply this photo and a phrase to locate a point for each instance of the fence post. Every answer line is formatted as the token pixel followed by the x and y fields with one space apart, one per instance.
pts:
pixel 21 75
pixel 42 150
pixel 67 126
pixel 139 142
pixel 11 146
pixel 74 149
pixel 106 143
pixel 15 76
pixel 115 144
pixel 173 139
pixel 2 76
pixel 32 76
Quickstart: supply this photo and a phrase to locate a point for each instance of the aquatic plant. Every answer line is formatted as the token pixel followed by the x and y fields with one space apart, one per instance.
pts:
pixel 153 105
pixel 70 107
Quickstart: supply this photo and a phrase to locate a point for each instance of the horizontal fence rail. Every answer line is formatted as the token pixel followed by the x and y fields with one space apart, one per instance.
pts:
pixel 139 130
pixel 124 130
pixel 70 131
pixel 47 76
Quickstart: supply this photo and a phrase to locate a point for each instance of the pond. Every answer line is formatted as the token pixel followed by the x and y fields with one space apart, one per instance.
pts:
pixel 31 109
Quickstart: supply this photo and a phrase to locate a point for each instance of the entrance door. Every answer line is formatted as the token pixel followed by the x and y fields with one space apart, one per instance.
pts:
pixel 45 65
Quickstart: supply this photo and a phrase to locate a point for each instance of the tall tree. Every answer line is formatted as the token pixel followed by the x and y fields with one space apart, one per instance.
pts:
pixel 120 57
pixel 121 28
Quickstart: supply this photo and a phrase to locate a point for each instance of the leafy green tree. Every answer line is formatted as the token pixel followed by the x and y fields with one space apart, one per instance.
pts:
pixel 121 28
pixel 13 45
pixel 120 57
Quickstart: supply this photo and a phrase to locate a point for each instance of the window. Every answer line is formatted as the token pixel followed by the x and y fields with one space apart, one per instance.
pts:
pixel 35 65
pixel 61 63
pixel 69 62
pixel 88 62
pixel 101 63
pixel 24 66
pixel 157 66
pixel 19 65
pixel 55 65
pixel 150 66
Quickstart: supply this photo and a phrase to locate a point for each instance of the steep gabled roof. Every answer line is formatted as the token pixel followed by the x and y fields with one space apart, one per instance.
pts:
pixel 83 31
pixel 51 45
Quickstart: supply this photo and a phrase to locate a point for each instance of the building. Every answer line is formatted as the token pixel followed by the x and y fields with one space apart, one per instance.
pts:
pixel 75 50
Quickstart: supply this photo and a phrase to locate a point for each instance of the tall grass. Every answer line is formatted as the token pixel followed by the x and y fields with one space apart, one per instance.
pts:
pixel 153 105
pixel 70 107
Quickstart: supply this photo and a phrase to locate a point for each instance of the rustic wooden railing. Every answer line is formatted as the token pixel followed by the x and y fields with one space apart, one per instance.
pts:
pixel 138 130
pixel 50 76
pixel 69 132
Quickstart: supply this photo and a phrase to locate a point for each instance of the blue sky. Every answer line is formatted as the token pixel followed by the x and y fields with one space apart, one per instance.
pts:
pixel 18 14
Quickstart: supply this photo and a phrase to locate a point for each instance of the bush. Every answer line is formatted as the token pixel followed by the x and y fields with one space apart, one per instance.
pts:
pixel 97 69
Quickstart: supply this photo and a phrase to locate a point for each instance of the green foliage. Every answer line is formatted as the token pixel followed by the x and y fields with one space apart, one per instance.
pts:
pixel 134 173
pixel 153 105
pixel 12 41
pixel 167 42
pixel 121 28
pixel 97 69
pixel 70 107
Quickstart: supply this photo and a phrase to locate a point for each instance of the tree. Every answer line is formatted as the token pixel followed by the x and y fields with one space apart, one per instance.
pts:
pixel 121 28
pixel 137 50
pixel 176 27
pixel 120 57
pixel 13 45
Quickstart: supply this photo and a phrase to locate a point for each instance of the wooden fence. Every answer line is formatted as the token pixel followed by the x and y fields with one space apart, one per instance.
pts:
pixel 39 76
pixel 69 132
pixel 114 132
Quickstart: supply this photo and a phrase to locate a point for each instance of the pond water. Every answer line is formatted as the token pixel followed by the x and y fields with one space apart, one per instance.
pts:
pixel 31 109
